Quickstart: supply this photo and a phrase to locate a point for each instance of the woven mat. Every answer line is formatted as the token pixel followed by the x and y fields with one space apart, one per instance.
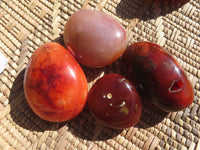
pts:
pixel 26 24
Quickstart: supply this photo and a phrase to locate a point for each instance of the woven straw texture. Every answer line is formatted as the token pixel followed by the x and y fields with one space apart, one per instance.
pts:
pixel 27 24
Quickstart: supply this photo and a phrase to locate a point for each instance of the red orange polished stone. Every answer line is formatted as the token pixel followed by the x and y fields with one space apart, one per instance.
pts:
pixel 55 86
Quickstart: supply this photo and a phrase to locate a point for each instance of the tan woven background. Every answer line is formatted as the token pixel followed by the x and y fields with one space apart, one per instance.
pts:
pixel 26 24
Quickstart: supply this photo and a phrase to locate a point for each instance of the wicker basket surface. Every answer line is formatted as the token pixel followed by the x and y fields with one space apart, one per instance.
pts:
pixel 27 24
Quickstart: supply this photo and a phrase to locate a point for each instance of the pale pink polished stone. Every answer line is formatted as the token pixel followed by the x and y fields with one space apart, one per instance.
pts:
pixel 95 38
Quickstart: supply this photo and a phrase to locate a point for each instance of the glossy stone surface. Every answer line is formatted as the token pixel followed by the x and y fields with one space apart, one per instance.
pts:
pixel 114 101
pixel 159 76
pixel 94 38
pixel 55 86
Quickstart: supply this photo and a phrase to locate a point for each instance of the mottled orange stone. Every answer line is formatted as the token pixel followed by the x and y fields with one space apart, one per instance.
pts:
pixel 55 86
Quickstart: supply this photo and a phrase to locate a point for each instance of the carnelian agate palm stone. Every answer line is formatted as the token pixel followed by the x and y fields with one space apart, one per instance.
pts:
pixel 114 102
pixel 95 38
pixel 159 75
pixel 54 84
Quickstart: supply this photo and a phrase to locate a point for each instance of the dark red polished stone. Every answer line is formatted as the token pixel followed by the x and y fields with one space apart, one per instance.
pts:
pixel 159 76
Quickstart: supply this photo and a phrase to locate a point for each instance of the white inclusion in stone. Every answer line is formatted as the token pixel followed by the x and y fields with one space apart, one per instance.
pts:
pixel 104 96
pixel 109 95
pixel 123 103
